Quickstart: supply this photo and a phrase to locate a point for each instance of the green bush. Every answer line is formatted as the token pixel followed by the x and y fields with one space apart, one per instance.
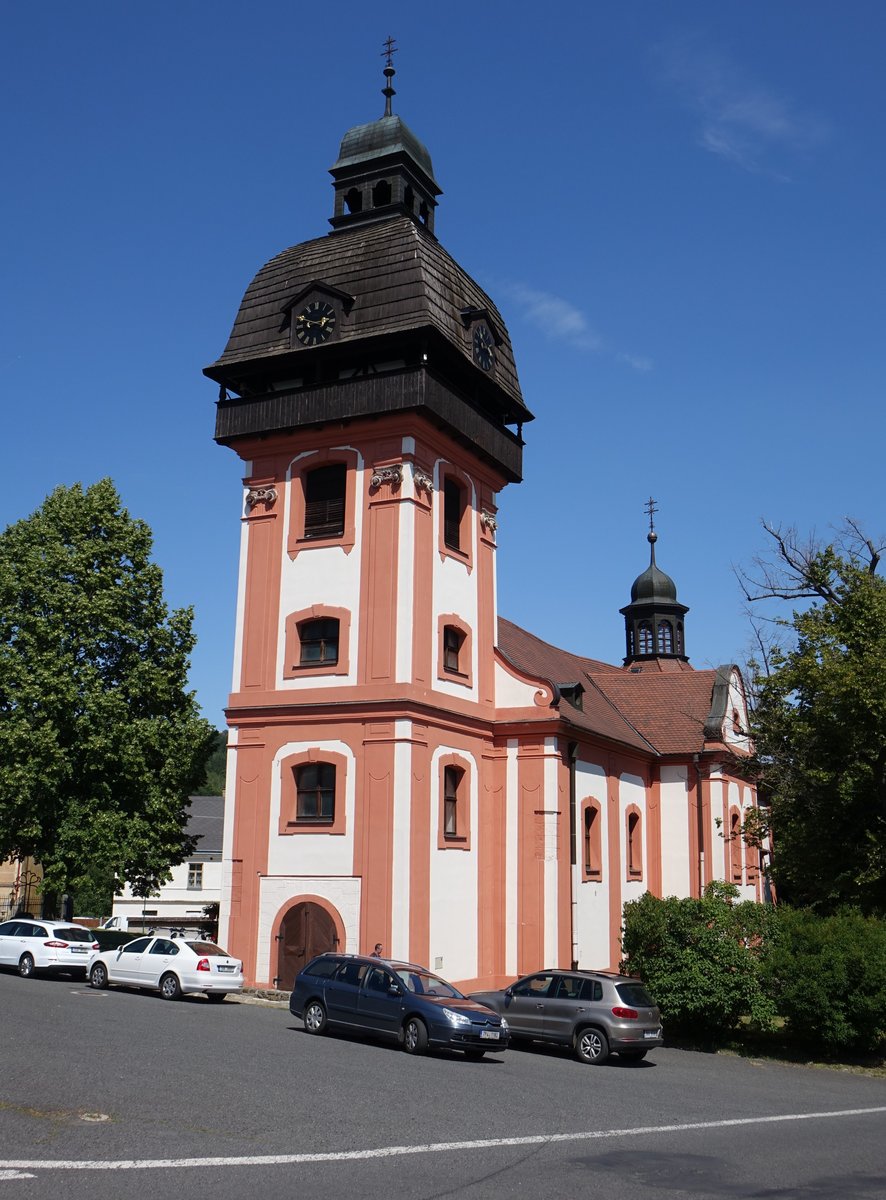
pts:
pixel 701 960
pixel 827 976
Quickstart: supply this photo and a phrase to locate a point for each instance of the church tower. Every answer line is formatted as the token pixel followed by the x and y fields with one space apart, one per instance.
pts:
pixel 369 387
pixel 654 630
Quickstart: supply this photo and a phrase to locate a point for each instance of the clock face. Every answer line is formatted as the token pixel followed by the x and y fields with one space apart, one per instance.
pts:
pixel 484 348
pixel 315 324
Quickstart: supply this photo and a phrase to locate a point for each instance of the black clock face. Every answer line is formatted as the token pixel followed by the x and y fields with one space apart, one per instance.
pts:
pixel 484 348
pixel 315 324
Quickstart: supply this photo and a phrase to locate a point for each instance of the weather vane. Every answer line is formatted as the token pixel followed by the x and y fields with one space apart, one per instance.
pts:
pixel 651 508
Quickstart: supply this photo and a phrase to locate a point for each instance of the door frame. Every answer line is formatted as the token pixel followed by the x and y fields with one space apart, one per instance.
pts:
pixel 290 904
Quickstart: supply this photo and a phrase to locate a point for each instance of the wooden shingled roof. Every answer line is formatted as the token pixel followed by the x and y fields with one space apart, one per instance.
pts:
pixel 401 279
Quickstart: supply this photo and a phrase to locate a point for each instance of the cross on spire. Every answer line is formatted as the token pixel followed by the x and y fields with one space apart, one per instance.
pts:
pixel 390 49
pixel 651 508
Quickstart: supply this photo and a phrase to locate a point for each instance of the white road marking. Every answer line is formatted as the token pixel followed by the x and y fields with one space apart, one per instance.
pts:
pixel 16 1175
pixel 541 1139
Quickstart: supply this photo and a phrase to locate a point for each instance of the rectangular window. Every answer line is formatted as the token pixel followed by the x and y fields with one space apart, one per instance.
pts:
pixel 451 779
pixel 315 793
pixel 452 642
pixel 325 501
pixel 195 876
pixel 318 641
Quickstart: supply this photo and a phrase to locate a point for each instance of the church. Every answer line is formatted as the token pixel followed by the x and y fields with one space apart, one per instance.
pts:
pixel 406 766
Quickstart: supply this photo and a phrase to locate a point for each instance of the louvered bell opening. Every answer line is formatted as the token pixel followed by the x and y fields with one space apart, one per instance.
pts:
pixel 325 501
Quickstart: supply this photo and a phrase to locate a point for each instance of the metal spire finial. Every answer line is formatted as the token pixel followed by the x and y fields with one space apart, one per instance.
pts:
pixel 651 508
pixel 390 49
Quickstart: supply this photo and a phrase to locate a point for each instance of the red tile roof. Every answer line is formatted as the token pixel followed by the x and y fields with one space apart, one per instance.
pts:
pixel 661 708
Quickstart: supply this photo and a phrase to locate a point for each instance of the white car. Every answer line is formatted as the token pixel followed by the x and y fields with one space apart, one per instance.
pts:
pixel 33 946
pixel 172 966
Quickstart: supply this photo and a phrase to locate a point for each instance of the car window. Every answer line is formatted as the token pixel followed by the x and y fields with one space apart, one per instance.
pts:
pixel 34 931
pixel 591 989
pixel 635 995
pixel 423 983
pixel 71 933
pixel 135 947
pixel 323 967
pixel 352 972
pixel 535 985
pixel 7 929
pixel 208 949
pixel 568 987
pixel 164 946
pixel 378 980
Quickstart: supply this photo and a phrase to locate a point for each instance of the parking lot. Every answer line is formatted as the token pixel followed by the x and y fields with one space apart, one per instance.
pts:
pixel 120 1094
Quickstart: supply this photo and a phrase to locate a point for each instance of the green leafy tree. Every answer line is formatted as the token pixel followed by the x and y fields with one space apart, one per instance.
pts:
pixel 827 976
pixel 701 959
pixel 214 784
pixel 820 720
pixel 100 740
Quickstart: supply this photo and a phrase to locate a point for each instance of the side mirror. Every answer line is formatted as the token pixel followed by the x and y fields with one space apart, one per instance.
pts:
pixel 509 993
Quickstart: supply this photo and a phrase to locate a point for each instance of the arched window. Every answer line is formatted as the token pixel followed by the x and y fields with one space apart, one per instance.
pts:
pixel 354 200
pixel 409 198
pixel 325 501
pixel 381 194
pixel 423 213
pixel 634 844
pixel 679 640
pixel 735 846
pixel 592 840
pixel 644 638
pixel 665 638
pixel 315 793
pixel 318 641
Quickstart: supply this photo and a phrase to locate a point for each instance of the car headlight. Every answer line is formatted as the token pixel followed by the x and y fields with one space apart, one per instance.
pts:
pixel 456 1018
pixel 504 1024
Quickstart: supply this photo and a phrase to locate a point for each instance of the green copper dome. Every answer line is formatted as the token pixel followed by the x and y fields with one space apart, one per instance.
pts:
pixel 387 135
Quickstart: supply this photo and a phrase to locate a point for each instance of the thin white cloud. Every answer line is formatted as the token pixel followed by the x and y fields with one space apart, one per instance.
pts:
pixel 740 120
pixel 559 320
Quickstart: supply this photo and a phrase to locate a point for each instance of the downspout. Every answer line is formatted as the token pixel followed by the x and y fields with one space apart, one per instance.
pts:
pixel 696 758
pixel 571 749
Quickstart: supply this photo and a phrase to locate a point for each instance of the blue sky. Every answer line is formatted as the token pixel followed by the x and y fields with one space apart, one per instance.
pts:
pixel 678 207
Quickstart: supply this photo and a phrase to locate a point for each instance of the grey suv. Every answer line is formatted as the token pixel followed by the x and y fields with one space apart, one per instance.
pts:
pixel 593 1012
pixel 397 1000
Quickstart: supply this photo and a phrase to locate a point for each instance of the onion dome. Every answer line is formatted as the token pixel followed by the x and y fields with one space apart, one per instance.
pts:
pixel 654 617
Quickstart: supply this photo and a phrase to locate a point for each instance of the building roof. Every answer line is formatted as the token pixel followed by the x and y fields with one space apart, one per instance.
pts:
pixel 377 139
pixel 401 279
pixel 206 822
pixel 660 708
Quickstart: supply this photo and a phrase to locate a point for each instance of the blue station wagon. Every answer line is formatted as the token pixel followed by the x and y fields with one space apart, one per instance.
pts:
pixel 396 1000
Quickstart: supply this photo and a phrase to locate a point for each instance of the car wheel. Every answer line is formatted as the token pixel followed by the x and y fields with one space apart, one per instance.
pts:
pixel 170 988
pixel 415 1036
pixel 315 1017
pixel 474 1055
pixel 591 1046
pixel 632 1056
pixel 98 976
pixel 26 966
pixel 215 997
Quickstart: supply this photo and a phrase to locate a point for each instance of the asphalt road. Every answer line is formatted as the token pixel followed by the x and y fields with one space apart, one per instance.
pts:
pixel 120 1094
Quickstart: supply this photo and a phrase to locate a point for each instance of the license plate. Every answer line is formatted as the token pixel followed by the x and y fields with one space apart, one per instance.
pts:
pixel 226 969
pixel 78 950
pixel 493 1034
pixel 652 1033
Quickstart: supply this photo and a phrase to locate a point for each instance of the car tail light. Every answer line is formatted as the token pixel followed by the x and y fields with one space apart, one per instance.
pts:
pixel 95 945
pixel 57 945
pixel 626 1014
pixel 203 965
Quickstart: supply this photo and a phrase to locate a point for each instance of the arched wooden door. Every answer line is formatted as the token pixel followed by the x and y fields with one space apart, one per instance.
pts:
pixel 306 930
